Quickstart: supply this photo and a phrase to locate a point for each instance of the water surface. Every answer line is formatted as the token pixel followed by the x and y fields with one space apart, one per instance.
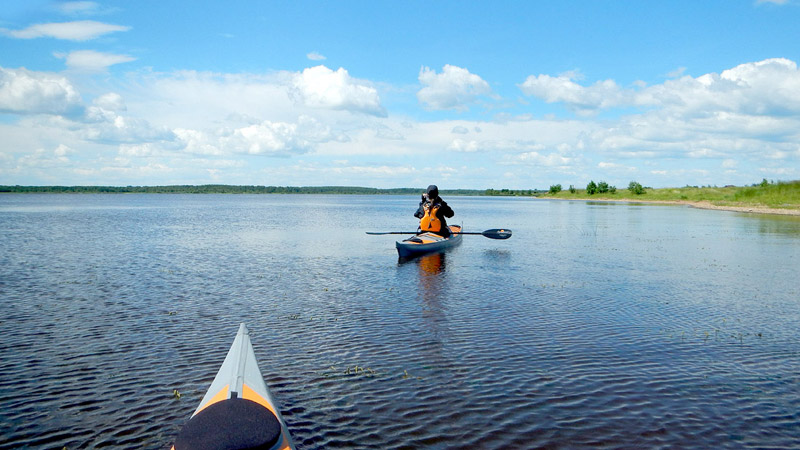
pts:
pixel 595 325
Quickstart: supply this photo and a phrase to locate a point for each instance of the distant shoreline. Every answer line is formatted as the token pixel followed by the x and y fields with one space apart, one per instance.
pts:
pixel 226 189
pixel 723 199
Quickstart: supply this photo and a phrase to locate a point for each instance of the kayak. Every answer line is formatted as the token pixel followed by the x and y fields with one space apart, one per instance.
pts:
pixel 428 242
pixel 237 412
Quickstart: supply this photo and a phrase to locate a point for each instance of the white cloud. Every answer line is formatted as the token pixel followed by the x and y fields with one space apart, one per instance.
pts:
pixel 771 86
pixel 460 130
pixel 563 89
pixel 110 102
pixel 79 7
pixel 615 166
pixel 108 127
pixel 455 88
pixel 548 160
pixel 677 72
pixel 63 150
pixel 321 87
pixel 315 56
pixel 729 163
pixel 92 61
pixel 266 138
pixel 462 145
pixel 788 172
pixel 83 30
pixel 27 92
pixel 189 99
pixel 269 138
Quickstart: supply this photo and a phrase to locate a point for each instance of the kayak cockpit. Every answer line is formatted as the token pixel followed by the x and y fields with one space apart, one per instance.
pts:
pixel 254 425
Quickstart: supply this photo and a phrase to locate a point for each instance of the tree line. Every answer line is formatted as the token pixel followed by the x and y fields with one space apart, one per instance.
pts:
pixel 600 188
pixel 227 189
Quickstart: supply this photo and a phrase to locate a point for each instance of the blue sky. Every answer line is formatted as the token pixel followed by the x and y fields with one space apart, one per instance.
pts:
pixel 469 94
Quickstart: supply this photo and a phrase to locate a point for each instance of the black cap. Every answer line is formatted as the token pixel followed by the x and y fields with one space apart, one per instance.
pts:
pixel 433 191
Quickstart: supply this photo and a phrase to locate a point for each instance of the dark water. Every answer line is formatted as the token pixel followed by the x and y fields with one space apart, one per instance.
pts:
pixel 595 325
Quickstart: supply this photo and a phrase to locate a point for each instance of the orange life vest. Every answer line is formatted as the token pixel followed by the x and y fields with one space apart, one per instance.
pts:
pixel 429 221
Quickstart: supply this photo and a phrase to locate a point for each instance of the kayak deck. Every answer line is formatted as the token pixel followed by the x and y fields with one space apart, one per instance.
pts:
pixel 238 410
pixel 428 242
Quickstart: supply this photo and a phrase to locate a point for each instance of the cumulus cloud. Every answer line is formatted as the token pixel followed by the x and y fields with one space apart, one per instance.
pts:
pixel 83 30
pixel 111 128
pixel 315 56
pixel 545 160
pixel 266 138
pixel 110 102
pixel 771 86
pixel 321 87
pixel 463 145
pixel 564 89
pixel 26 92
pixel 269 138
pixel 92 61
pixel 454 88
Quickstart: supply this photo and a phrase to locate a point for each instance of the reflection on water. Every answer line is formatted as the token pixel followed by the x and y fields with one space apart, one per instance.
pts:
pixel 614 325
pixel 779 225
pixel 432 264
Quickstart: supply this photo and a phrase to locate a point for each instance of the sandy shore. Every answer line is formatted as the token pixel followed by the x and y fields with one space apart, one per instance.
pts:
pixel 746 209
pixel 703 205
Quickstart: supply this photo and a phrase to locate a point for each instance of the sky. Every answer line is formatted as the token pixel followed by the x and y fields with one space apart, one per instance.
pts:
pixel 462 94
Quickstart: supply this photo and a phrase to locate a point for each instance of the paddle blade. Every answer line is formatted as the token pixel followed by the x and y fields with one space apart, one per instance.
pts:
pixel 497 233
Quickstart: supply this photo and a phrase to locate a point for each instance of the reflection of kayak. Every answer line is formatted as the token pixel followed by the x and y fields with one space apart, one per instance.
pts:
pixel 237 411
pixel 428 242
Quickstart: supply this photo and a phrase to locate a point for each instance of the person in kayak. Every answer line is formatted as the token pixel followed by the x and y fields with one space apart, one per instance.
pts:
pixel 432 212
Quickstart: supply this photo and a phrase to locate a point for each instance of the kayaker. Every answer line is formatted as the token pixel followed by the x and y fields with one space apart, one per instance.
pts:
pixel 432 212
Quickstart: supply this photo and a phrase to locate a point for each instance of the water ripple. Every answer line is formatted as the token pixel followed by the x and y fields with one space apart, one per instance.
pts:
pixel 650 331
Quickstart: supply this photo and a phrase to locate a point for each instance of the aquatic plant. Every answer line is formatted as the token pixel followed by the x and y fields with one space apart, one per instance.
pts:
pixel 349 371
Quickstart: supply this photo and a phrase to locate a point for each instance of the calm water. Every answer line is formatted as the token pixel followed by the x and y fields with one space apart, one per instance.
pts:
pixel 595 325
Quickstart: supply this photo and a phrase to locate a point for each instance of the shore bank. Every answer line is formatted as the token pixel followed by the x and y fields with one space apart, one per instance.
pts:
pixel 697 204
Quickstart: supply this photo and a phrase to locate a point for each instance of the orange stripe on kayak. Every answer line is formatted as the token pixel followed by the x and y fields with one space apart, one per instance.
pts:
pixel 218 397
pixel 249 394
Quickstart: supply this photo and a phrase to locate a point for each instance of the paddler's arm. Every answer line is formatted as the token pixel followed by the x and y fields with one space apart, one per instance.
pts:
pixel 420 212
pixel 446 210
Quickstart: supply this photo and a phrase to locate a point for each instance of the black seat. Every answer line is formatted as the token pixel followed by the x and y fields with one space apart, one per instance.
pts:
pixel 233 424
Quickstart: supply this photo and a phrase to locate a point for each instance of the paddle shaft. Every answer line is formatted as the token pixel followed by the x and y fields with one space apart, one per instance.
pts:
pixel 491 234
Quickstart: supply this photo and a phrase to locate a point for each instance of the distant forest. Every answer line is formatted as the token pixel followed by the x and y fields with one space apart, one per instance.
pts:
pixel 228 189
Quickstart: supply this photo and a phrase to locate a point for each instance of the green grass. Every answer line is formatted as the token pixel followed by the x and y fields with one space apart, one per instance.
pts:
pixel 777 195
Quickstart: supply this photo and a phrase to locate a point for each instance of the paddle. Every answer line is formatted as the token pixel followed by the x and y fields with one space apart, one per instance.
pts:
pixel 494 233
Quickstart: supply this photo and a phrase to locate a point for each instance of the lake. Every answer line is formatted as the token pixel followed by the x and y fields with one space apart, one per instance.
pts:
pixel 595 325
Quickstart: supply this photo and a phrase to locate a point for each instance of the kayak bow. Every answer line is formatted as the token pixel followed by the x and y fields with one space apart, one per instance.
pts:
pixel 428 242
pixel 237 412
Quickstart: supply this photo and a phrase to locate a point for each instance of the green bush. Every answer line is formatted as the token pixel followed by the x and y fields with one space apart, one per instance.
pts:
pixel 602 187
pixel 636 188
pixel 612 189
pixel 591 188
pixel 555 189
pixel 572 189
